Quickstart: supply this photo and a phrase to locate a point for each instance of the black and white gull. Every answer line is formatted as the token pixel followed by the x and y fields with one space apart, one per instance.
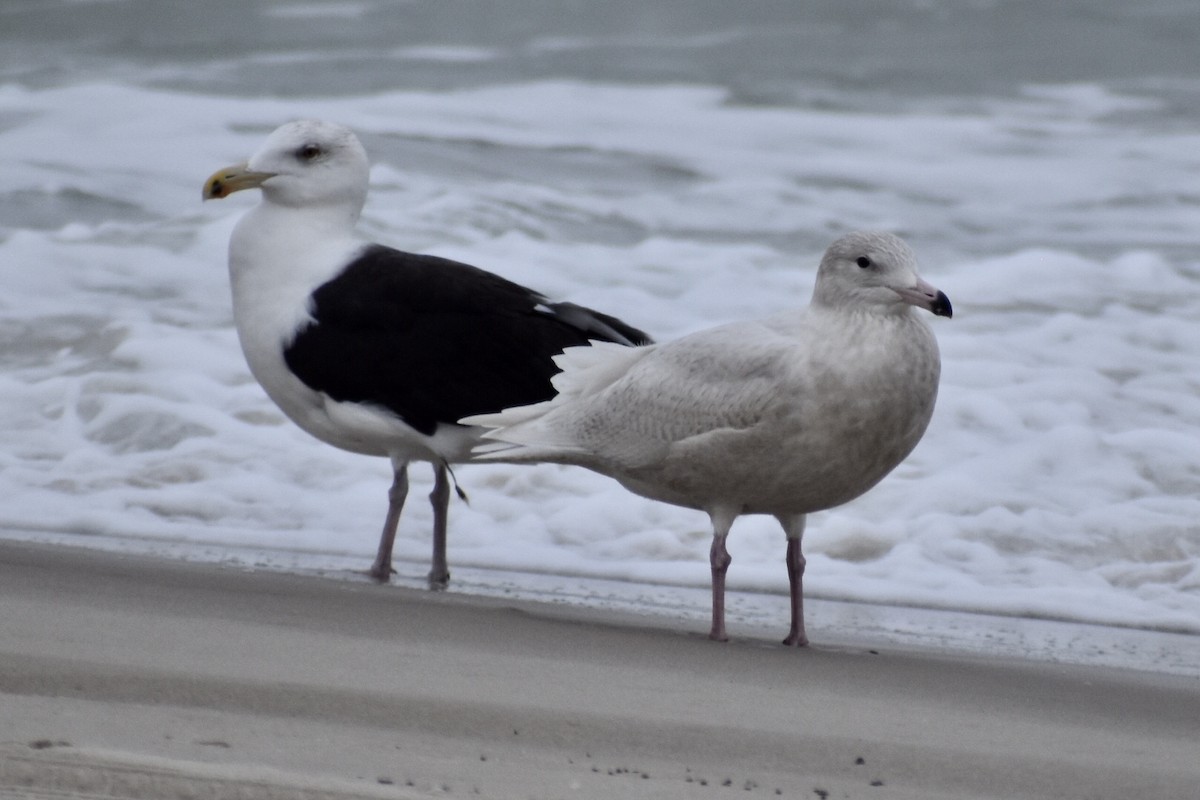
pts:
pixel 371 349
pixel 796 413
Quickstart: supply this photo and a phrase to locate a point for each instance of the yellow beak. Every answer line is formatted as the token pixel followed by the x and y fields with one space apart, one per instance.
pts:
pixel 228 180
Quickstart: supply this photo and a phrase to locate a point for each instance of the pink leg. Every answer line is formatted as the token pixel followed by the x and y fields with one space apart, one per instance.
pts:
pixel 382 570
pixel 795 568
pixel 439 572
pixel 719 559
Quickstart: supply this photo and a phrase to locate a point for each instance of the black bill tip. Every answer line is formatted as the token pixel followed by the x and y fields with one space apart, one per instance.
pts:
pixel 941 306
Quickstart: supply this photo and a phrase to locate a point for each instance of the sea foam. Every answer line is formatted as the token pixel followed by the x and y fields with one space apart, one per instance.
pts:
pixel 1060 477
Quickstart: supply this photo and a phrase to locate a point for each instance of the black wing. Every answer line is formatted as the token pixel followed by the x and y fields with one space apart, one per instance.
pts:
pixel 434 340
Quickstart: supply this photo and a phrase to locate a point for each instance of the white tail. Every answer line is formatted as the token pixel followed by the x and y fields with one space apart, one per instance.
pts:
pixel 528 433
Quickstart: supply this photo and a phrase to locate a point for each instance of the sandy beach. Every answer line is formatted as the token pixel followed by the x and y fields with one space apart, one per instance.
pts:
pixel 124 676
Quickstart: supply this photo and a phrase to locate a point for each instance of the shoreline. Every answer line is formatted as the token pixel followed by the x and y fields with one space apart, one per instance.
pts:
pixel 752 614
pixel 201 673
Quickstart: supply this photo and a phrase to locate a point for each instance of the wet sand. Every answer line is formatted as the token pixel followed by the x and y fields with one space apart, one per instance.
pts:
pixel 127 676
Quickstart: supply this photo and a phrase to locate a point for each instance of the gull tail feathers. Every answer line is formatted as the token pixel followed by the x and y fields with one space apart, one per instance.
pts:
pixel 587 369
pixel 532 438
pixel 518 434
pixel 529 433
pixel 505 418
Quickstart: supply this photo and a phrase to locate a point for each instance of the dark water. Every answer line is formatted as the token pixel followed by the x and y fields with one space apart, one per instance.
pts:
pixel 822 51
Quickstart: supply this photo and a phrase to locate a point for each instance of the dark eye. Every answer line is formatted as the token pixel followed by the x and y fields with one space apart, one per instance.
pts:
pixel 863 262
pixel 308 152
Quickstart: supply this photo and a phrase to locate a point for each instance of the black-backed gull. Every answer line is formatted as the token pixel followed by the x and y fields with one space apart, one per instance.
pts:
pixel 371 349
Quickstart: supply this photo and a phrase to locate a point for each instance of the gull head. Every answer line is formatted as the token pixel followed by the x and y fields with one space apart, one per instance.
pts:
pixel 305 163
pixel 869 269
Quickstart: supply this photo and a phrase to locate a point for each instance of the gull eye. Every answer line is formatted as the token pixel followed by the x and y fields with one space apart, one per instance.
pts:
pixel 308 152
pixel 863 262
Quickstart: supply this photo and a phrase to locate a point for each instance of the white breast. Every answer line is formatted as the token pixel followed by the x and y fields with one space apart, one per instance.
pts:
pixel 275 264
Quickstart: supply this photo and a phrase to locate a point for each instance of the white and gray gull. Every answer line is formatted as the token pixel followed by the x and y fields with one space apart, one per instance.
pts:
pixel 787 415
pixel 371 349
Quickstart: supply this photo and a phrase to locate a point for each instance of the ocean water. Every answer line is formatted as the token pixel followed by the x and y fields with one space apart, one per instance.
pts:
pixel 680 164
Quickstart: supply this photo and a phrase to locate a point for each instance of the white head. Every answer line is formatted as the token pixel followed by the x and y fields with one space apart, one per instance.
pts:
pixel 306 163
pixel 873 269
